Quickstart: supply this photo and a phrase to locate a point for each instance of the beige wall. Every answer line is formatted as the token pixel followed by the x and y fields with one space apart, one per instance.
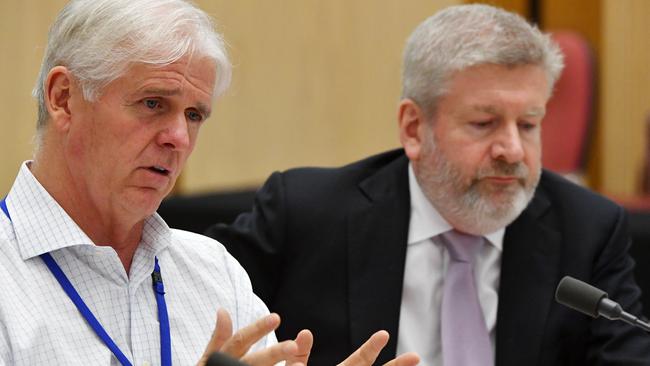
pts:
pixel 316 83
pixel 23 30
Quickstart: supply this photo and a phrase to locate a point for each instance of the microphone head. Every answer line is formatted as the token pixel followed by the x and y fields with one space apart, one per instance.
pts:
pixel 220 359
pixel 579 296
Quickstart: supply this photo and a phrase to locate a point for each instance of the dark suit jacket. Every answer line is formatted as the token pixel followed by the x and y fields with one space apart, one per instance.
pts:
pixel 325 248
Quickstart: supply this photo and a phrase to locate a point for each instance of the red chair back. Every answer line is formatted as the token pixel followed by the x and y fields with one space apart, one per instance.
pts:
pixel 569 114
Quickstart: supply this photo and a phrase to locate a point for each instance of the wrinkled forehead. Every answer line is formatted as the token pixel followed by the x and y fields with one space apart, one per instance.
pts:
pixel 197 69
pixel 195 75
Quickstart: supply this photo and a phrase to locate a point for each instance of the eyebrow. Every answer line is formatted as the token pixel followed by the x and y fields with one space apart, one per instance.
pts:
pixel 536 112
pixel 202 107
pixel 533 112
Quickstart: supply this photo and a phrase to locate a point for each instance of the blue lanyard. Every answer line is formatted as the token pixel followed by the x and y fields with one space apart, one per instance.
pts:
pixel 159 290
pixel 3 206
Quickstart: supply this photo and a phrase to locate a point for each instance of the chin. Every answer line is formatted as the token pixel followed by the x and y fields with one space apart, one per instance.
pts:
pixel 145 202
pixel 482 214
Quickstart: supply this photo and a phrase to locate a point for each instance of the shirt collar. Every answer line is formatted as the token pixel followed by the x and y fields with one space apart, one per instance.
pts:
pixel 426 222
pixel 156 235
pixel 41 225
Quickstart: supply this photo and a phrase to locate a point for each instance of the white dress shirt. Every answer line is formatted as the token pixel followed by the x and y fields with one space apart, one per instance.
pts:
pixel 425 268
pixel 39 324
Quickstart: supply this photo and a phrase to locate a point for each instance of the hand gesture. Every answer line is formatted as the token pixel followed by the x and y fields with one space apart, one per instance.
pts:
pixel 294 352
pixel 368 352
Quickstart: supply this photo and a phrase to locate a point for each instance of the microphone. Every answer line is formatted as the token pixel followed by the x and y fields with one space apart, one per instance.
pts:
pixel 220 359
pixel 589 300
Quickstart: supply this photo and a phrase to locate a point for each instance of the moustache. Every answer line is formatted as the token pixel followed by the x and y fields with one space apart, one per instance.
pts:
pixel 500 168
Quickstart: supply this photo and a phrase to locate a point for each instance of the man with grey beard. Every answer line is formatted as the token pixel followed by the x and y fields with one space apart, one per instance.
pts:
pixel 457 241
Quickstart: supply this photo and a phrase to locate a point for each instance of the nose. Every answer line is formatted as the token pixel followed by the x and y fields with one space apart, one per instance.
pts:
pixel 175 133
pixel 508 146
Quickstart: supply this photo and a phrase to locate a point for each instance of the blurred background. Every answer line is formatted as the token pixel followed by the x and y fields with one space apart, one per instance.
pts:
pixel 317 82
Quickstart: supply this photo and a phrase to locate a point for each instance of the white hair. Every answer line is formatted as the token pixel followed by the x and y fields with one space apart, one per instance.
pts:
pixel 462 36
pixel 99 40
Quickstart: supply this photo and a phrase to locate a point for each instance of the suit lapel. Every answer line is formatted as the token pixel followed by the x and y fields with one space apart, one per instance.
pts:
pixel 529 273
pixel 377 233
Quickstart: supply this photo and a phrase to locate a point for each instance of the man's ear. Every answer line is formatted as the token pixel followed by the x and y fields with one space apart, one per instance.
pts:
pixel 411 121
pixel 58 92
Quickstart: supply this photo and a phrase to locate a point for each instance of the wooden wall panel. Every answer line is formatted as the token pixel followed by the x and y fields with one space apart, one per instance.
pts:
pixel 23 32
pixel 625 89
pixel 583 16
pixel 521 7
pixel 315 83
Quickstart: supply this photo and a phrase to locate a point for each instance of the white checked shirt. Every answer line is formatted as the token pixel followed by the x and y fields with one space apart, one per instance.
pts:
pixel 425 268
pixel 39 324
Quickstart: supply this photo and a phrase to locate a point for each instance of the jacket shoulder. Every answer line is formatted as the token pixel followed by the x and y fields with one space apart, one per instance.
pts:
pixel 560 190
pixel 572 204
pixel 348 175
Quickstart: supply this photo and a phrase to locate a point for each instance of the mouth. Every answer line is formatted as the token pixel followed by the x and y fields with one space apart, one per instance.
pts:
pixel 502 179
pixel 159 170
pixel 507 183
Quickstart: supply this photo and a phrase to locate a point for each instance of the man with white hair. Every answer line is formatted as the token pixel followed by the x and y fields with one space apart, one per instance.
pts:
pixel 457 241
pixel 89 273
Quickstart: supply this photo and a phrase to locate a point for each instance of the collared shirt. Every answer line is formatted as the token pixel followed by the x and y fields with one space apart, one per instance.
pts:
pixel 426 264
pixel 39 324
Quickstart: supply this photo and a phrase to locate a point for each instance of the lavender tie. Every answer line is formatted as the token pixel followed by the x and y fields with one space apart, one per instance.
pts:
pixel 465 339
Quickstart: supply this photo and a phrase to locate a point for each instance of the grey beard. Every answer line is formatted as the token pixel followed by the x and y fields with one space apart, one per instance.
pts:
pixel 465 205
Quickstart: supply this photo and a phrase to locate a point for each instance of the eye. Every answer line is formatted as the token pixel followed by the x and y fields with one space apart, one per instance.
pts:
pixel 482 124
pixel 194 116
pixel 527 126
pixel 152 103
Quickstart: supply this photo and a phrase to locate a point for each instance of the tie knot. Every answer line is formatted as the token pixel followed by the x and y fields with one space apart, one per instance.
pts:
pixel 462 247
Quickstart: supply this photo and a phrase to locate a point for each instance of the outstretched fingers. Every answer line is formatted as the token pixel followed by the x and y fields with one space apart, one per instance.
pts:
pixel 407 359
pixel 237 345
pixel 304 340
pixel 222 331
pixel 271 355
pixel 368 352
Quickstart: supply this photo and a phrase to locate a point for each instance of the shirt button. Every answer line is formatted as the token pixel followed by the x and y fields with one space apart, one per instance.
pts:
pixel 145 363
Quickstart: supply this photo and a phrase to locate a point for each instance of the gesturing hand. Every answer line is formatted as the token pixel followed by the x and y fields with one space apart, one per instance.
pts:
pixel 294 352
pixel 368 352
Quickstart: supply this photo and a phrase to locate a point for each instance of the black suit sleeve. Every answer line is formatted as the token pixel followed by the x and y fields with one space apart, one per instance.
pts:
pixel 617 343
pixel 256 238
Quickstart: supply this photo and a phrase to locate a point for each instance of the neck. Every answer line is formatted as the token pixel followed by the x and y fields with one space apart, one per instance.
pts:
pixel 109 226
